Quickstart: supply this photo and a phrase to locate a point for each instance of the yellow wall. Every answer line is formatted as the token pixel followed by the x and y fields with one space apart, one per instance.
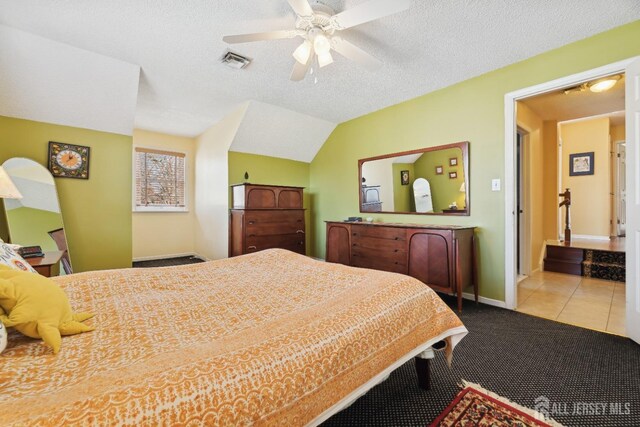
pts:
pixel 165 234
pixel 550 180
pixel 273 171
pixel 97 211
pixel 618 133
pixel 590 194
pixel 473 111
pixel 533 183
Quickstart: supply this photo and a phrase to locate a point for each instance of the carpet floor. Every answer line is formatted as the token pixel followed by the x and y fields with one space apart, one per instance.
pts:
pixel 167 262
pixel 521 358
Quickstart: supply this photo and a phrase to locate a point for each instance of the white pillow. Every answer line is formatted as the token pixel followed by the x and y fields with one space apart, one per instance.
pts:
pixel 3 337
pixel 10 258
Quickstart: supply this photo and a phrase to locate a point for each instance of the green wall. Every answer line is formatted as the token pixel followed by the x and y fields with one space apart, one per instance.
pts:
pixel 274 171
pixel 97 211
pixel 30 227
pixel 473 111
pixel 444 190
pixel 403 194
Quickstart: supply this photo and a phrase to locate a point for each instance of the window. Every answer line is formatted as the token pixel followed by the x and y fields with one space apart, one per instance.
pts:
pixel 159 180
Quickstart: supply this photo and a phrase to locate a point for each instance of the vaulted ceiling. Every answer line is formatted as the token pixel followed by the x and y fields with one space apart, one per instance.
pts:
pixel 184 89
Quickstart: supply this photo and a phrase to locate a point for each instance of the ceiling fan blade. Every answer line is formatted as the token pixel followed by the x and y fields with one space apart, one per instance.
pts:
pixel 300 70
pixel 301 7
pixel 256 37
pixel 355 54
pixel 369 11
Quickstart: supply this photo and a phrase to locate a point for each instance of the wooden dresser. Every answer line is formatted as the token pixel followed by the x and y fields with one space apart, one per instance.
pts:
pixel 264 217
pixel 442 257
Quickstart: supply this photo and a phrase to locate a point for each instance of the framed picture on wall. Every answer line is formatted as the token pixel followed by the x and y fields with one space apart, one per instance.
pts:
pixel 453 175
pixel 581 164
pixel 404 177
pixel 453 161
pixel 439 170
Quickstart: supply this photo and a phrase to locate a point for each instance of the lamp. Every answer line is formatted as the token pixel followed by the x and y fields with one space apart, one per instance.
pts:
pixel 8 189
pixel 604 84
pixel 302 52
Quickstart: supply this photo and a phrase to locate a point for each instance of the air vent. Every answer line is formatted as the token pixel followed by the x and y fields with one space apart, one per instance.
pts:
pixel 235 60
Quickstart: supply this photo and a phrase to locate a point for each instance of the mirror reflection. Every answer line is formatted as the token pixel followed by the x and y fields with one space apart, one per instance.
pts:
pixel 428 181
pixel 36 219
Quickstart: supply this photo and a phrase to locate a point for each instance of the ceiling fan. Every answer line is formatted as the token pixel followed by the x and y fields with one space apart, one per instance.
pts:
pixel 319 26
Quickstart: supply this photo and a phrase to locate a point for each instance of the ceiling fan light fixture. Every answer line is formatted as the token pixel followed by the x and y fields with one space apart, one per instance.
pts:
pixel 604 84
pixel 302 52
pixel 324 59
pixel 321 44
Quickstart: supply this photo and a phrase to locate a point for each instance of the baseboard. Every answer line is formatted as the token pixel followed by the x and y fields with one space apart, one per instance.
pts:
pixel 589 237
pixel 484 300
pixel 167 256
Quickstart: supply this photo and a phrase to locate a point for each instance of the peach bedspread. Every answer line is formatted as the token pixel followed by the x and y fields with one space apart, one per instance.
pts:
pixel 272 338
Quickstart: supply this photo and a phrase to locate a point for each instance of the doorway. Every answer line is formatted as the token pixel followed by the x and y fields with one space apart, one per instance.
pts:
pixel 512 181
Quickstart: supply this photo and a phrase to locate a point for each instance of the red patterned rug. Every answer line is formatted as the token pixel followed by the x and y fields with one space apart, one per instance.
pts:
pixel 475 406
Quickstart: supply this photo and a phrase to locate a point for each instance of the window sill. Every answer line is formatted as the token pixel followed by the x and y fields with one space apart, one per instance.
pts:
pixel 142 209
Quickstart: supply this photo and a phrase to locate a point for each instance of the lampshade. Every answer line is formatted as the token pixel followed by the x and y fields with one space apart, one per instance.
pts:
pixel 8 189
pixel 324 59
pixel 302 52
pixel 463 189
pixel 321 44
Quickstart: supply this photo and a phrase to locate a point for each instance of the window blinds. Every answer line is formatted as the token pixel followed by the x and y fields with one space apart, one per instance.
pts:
pixel 160 178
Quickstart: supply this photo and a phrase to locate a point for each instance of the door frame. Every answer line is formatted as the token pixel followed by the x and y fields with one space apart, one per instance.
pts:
pixel 510 281
pixel 617 145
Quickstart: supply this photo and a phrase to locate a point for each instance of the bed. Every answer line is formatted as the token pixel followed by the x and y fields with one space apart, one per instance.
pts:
pixel 272 338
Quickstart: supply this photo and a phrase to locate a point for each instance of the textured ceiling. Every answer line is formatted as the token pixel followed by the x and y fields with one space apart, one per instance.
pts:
pixel 184 89
pixel 53 82
pixel 574 105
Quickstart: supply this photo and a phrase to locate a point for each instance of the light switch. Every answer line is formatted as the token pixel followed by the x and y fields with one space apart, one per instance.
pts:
pixel 495 184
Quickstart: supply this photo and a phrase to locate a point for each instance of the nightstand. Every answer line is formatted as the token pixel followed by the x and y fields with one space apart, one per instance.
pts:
pixel 48 264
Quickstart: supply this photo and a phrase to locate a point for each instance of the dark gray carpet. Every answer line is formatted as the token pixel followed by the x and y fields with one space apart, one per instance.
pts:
pixel 167 262
pixel 519 357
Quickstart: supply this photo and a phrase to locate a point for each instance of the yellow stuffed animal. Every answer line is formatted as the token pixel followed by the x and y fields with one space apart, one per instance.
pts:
pixel 37 307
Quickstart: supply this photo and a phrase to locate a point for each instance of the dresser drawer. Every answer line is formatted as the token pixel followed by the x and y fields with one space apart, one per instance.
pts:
pixel 391 255
pixel 292 242
pixel 378 232
pixel 386 245
pixel 269 223
pixel 383 264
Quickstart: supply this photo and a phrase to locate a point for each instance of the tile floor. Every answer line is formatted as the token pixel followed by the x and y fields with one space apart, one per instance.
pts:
pixel 580 301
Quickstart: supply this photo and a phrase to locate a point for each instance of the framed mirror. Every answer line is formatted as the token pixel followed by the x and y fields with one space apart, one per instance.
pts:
pixel 36 218
pixel 428 181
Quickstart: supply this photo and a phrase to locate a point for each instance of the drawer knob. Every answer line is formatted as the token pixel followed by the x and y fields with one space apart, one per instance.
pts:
pixel 300 231
pixel 396 250
pixel 301 243
pixel 251 222
pixel 252 235
pixel 252 247
pixel 397 238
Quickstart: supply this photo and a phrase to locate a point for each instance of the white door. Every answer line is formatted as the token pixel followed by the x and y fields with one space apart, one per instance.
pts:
pixel 633 199
pixel 621 188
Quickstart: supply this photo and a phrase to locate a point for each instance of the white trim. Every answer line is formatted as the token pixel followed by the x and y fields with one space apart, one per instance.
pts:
pixel 485 300
pixel 168 256
pixel 509 158
pixel 589 237
pixel 456 335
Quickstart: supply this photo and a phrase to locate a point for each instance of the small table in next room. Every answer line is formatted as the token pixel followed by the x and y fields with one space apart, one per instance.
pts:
pixel 48 265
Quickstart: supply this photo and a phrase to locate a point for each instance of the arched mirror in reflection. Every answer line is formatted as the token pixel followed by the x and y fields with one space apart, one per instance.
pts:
pixel 36 219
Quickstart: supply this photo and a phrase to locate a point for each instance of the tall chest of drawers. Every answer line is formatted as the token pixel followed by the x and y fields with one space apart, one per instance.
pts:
pixel 442 257
pixel 264 217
